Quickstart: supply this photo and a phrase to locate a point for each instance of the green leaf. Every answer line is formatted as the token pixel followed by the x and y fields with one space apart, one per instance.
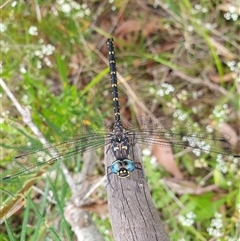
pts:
pixel 219 179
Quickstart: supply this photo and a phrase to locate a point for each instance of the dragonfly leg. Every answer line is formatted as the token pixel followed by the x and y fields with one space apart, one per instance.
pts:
pixel 108 149
pixel 108 179
pixel 134 141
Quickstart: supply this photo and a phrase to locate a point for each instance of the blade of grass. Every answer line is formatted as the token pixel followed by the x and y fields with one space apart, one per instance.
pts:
pixel 42 210
pixel 9 231
pixel 40 217
pixel 60 204
pixel 160 60
pixel 95 80
pixel 25 222
pixel 62 69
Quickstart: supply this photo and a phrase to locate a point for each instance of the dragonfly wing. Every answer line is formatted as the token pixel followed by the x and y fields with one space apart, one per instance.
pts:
pixel 30 161
pixel 163 133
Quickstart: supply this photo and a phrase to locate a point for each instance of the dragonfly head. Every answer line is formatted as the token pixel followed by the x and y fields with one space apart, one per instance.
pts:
pixel 123 172
pixel 122 168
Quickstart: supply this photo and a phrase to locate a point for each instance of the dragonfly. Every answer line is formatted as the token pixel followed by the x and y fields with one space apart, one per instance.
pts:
pixel 92 135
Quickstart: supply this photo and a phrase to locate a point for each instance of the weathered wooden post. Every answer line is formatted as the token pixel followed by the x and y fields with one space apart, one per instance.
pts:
pixel 132 213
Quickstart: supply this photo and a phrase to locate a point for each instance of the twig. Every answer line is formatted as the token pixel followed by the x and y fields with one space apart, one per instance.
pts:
pixel 195 80
pixel 93 188
pixel 171 194
pixel 4 4
pixel 79 219
pixel 39 191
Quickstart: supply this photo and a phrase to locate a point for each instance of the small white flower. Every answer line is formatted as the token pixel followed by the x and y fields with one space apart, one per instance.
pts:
pixel 209 129
pixel 3 27
pixel 234 16
pixel 29 144
pixel 14 4
pixel 39 64
pixel 84 6
pixel 33 31
pixel 190 28
pixel 79 14
pixel 60 2
pixel 66 8
pixel 38 53
pixel 153 161
pixel 160 92
pixel 232 9
pixel 208 26
pixel 47 61
pixel 2 120
pixel 87 11
pixel 197 6
pixel 151 90
pixel 216 225
pixel 197 152
pixel 25 99
pixel 23 69
pixel 48 49
pixel 188 219
pixel 227 16
pixel 146 152
pixel 76 5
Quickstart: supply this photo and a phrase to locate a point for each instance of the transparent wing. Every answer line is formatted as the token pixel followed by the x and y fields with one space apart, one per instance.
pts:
pixel 69 143
pixel 163 132
pixel 88 135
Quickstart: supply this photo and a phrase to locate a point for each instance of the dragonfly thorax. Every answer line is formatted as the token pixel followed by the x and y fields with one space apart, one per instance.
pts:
pixel 120 143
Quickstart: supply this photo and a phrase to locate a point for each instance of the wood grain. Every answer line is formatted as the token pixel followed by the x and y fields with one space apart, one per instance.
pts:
pixel 132 213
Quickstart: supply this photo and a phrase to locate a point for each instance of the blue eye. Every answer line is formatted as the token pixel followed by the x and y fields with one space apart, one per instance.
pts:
pixel 122 168
pixel 115 167
pixel 129 165
pixel 122 164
